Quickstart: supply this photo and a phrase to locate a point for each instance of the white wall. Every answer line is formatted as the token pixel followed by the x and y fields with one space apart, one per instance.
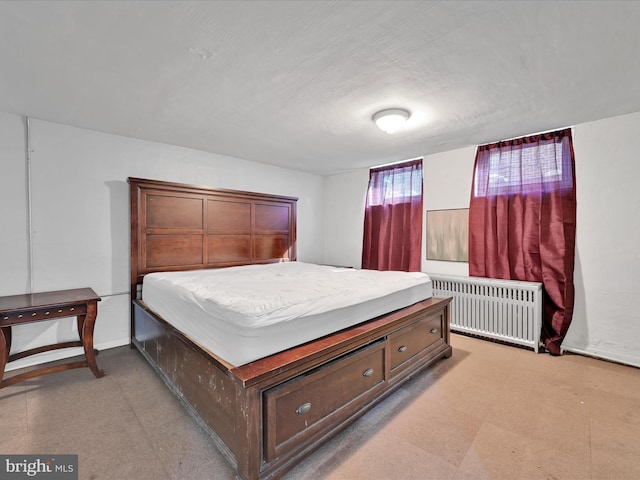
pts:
pixel 80 216
pixel 447 183
pixel 607 271
pixel 13 206
pixel 345 197
pixel 81 221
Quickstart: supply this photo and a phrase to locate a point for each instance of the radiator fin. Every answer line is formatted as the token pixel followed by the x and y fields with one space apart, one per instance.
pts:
pixel 506 310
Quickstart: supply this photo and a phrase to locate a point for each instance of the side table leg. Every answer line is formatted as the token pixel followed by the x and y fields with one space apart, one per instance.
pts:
pixel 85 327
pixel 80 321
pixel 7 339
pixel 5 348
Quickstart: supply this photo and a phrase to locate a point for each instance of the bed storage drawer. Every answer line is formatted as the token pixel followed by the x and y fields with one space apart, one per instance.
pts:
pixel 406 343
pixel 300 408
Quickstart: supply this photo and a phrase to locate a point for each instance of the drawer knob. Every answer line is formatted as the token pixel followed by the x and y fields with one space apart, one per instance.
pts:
pixel 368 372
pixel 304 408
pixel 434 330
pixel 403 348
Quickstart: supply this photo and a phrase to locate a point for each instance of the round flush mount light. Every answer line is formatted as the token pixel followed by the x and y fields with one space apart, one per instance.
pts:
pixel 391 120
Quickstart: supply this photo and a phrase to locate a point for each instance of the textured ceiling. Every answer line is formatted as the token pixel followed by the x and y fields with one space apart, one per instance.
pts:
pixel 295 84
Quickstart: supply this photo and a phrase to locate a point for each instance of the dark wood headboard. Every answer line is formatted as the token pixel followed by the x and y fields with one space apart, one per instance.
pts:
pixel 184 227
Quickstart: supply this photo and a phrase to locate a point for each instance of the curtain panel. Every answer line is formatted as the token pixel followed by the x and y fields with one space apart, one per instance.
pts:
pixel 393 218
pixel 522 221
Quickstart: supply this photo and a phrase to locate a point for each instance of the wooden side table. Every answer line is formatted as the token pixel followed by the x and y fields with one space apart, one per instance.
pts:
pixel 37 307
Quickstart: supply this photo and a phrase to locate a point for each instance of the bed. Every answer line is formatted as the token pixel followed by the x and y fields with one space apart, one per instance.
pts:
pixel 270 404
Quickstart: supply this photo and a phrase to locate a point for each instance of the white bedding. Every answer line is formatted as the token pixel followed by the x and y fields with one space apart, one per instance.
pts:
pixel 241 314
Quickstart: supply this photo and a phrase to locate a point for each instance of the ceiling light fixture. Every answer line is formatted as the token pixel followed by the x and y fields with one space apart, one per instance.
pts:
pixel 391 120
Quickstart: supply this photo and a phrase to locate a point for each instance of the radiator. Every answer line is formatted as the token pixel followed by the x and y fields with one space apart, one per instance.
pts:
pixel 505 310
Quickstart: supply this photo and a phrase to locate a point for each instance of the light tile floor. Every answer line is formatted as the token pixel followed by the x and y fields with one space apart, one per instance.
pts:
pixel 489 412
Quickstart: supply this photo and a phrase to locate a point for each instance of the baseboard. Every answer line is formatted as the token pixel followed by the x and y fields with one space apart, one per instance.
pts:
pixel 609 356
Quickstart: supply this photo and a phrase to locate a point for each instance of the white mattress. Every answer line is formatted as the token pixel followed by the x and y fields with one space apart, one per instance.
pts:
pixel 241 314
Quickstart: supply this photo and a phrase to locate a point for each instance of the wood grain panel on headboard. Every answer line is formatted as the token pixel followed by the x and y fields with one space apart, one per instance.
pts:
pixel 181 227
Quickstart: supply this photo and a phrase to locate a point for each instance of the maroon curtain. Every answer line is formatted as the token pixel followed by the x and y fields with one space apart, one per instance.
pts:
pixel 393 218
pixel 522 221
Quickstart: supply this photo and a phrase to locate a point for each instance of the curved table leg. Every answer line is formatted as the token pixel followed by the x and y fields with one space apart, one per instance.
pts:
pixel 7 339
pixel 86 324
pixel 5 347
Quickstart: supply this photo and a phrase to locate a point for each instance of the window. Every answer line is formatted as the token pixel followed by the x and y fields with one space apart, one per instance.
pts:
pixel 522 221
pixel 393 218
pixel 519 166
pixel 401 184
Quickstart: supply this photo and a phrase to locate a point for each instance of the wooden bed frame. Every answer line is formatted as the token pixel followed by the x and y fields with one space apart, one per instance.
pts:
pixel 267 415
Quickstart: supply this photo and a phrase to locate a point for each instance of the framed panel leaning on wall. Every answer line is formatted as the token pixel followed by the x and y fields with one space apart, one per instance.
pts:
pixel 448 235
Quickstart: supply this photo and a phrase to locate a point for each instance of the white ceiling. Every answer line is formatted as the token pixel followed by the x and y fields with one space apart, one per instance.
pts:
pixel 295 83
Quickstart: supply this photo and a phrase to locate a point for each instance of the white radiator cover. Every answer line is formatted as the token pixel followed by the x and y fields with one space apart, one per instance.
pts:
pixel 506 310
